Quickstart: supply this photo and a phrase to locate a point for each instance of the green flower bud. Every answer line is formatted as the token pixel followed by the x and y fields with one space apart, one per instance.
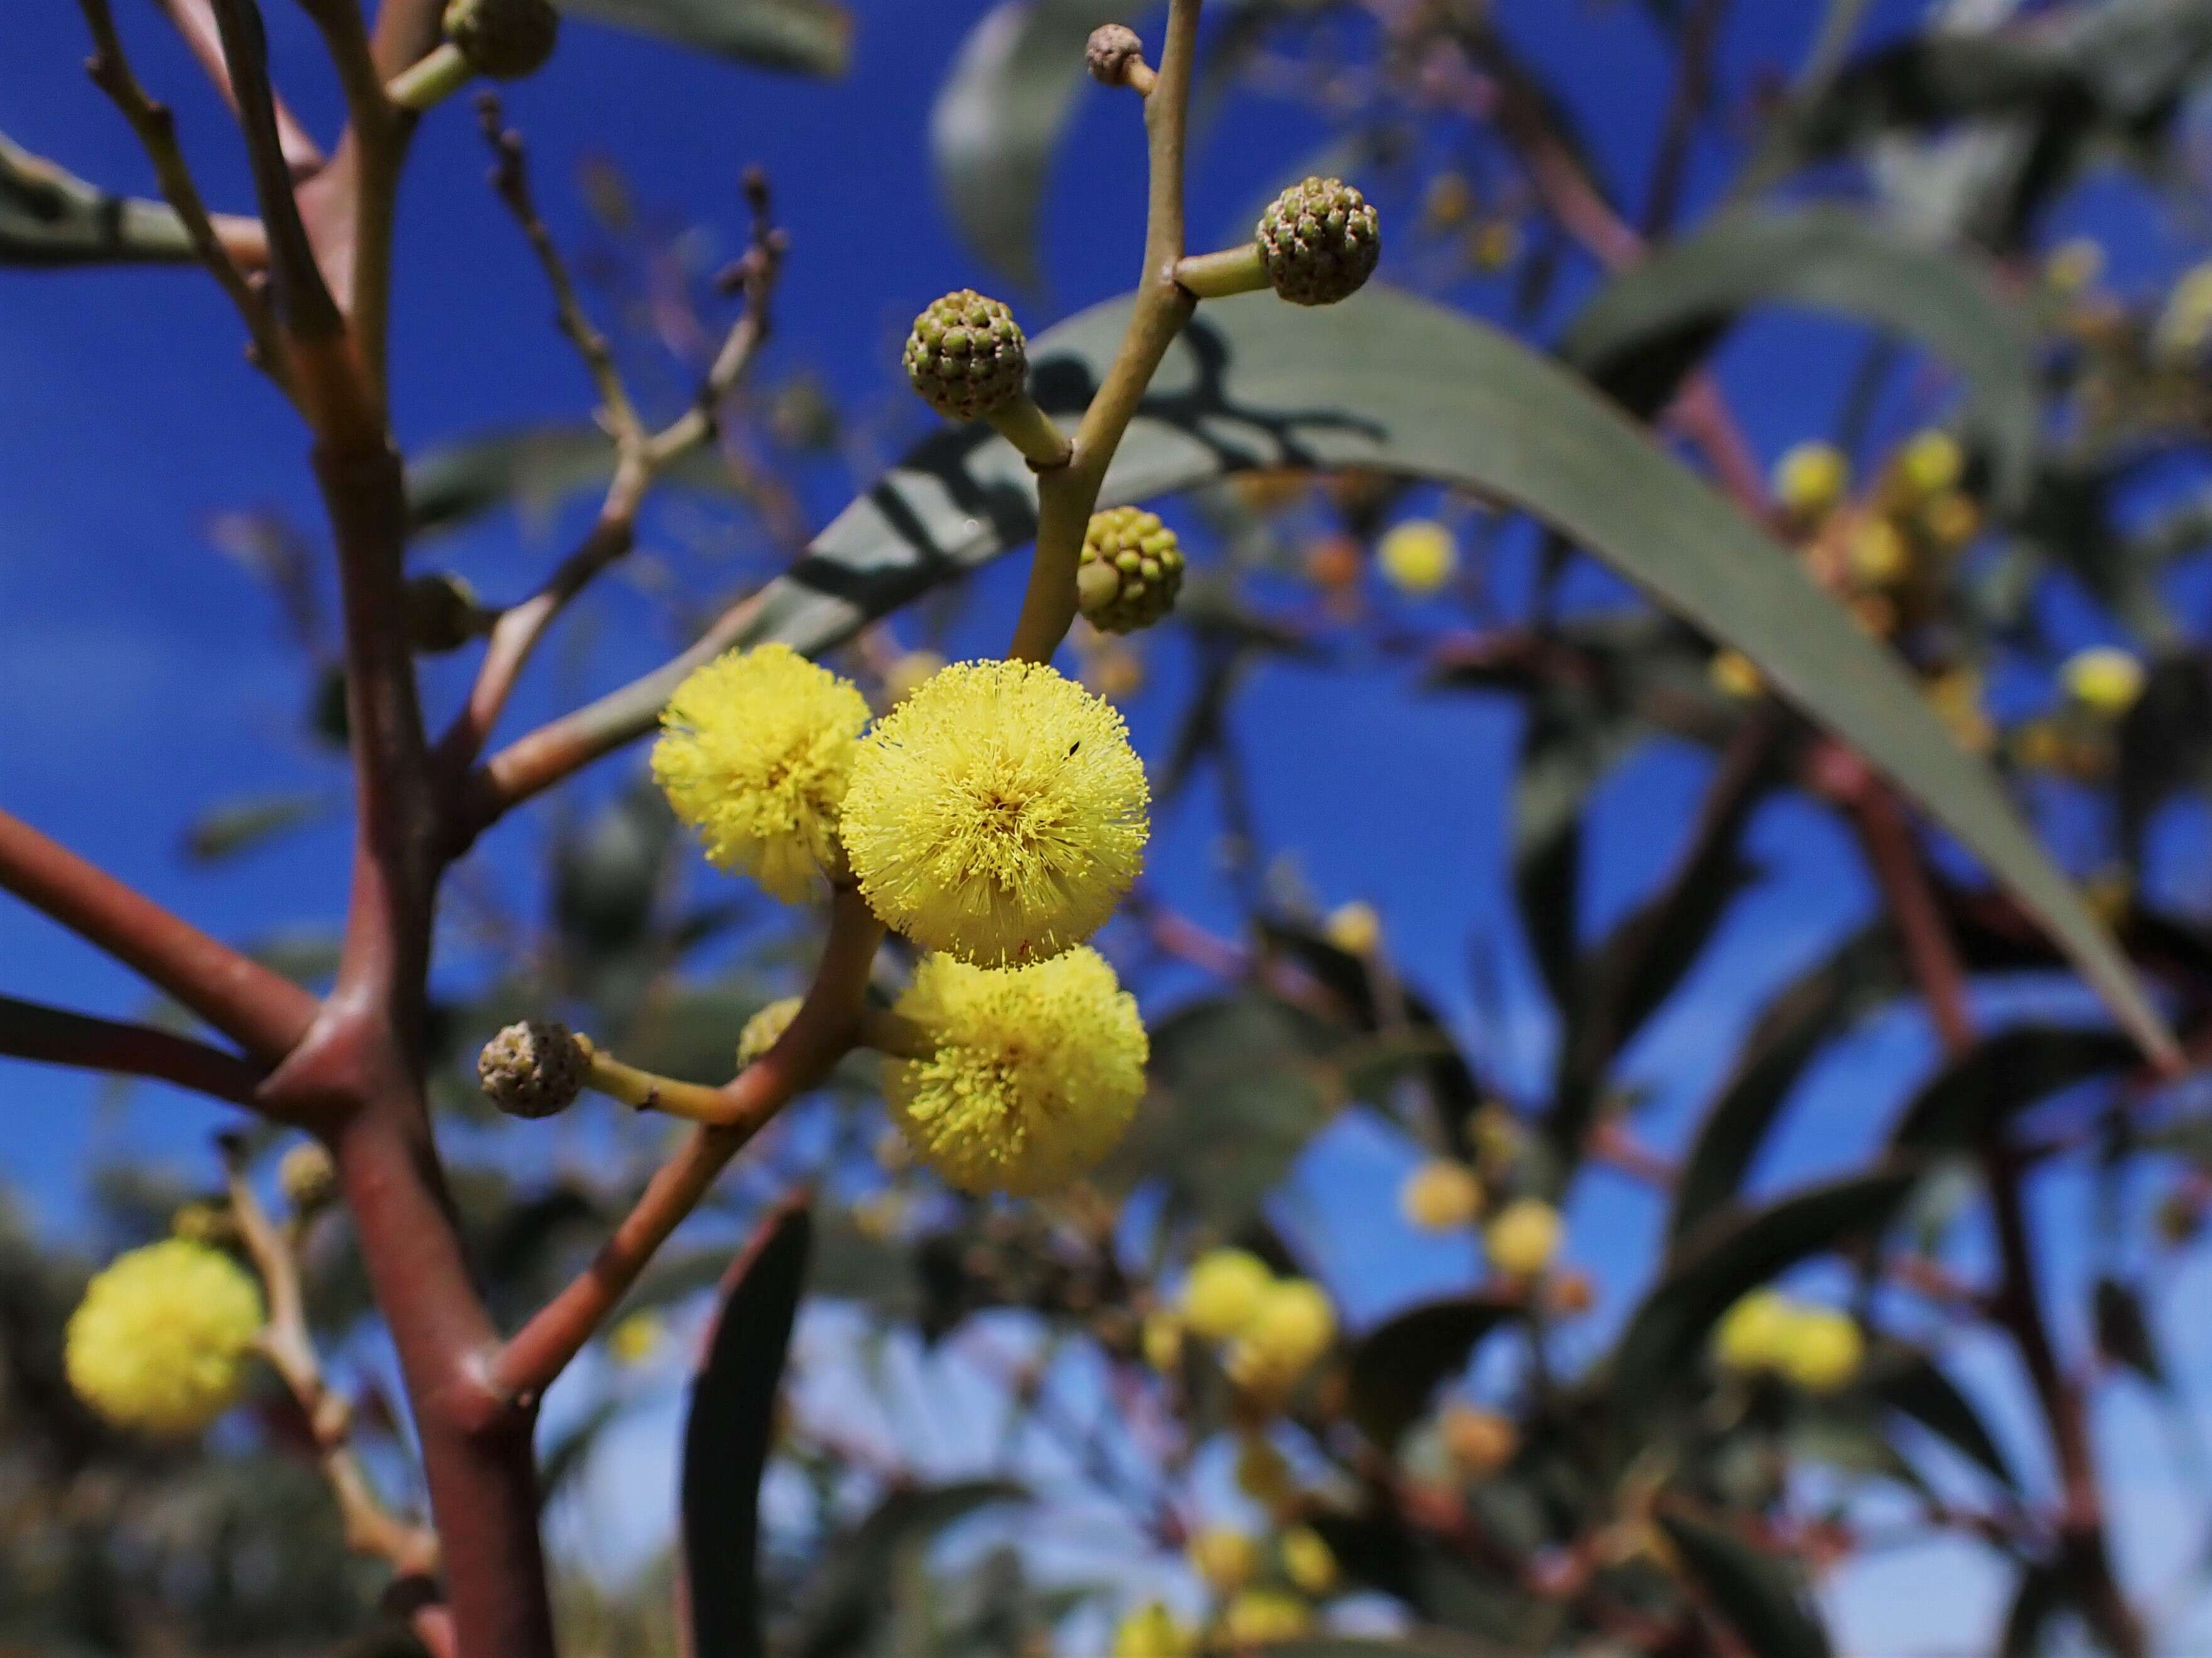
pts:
pixel 967 356
pixel 503 39
pixel 1319 242
pixel 1130 571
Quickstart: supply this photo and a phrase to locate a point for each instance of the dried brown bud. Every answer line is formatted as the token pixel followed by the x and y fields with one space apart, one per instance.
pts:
pixel 1111 49
pixel 533 1069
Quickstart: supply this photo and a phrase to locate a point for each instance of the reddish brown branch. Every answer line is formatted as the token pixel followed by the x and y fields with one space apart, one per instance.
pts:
pixel 262 1012
pixel 52 1036
pixel 195 22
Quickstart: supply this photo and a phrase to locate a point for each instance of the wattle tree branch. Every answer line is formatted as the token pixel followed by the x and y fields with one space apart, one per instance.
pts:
pixel 261 1010
pixel 195 22
pixel 53 1035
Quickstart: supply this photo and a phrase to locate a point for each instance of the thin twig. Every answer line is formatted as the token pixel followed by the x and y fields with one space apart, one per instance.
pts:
pixel 53 1035
pixel 1692 96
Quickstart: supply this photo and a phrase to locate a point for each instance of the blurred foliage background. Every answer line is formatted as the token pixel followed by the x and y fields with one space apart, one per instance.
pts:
pixel 1014 1428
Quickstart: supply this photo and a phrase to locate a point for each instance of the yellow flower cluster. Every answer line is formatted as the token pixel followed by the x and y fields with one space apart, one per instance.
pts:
pixel 160 1342
pixel 1817 1348
pixel 1524 1239
pixel 1274 1328
pixel 755 752
pixel 1035 1073
pixel 1418 556
pixel 2104 679
pixel 1810 479
pixel 997 814
pixel 1152 1631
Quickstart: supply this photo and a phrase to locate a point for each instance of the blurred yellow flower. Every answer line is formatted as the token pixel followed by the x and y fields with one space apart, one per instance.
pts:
pixel 1478 1442
pixel 636 1339
pixel 1881 556
pixel 1736 675
pixel 1752 1335
pixel 1259 1616
pixel 765 1028
pixel 2104 679
pixel 1931 462
pixel 1523 1239
pixel 1353 928
pixel 161 1341
pixel 1223 1293
pixel 1419 556
pixel 1308 1561
pixel 1225 1559
pixel 1823 1351
pixel 1292 1326
pixel 1150 1631
pixel 1439 1195
pixel 1810 478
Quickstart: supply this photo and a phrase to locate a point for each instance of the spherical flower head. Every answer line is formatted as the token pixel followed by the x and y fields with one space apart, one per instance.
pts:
pixel 1110 50
pixel 997 814
pixel 306 1176
pixel 1880 554
pixel 1752 1334
pixel 1162 1341
pixel 1735 675
pixel 755 752
pixel 2104 679
pixel 1150 1631
pixel 1223 1292
pixel 160 1342
pixel 1037 1074
pixel 1441 1194
pixel 1810 478
pixel 1931 463
pixel 766 1027
pixel 1292 1326
pixel 1225 1559
pixel 1259 1616
pixel 1822 1350
pixel 503 39
pixel 1523 1239
pixel 1319 241
pixel 636 1339
pixel 1480 1443
pixel 1130 572
pixel 967 356
pixel 1419 556
pixel 534 1068
pixel 1354 928
pixel 1308 1561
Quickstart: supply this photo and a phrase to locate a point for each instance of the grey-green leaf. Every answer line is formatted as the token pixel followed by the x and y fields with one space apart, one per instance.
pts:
pixel 999 116
pixel 1389 381
pixel 813 37
pixel 50 217
pixel 535 467
pixel 1648 326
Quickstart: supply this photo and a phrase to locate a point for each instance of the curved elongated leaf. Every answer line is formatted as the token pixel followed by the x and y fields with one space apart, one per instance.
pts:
pixel 812 36
pixel 726 1434
pixel 2005 1074
pixel 1794 1028
pixel 1916 1386
pixel 1649 325
pixel 1395 383
pixel 535 467
pixel 50 217
pixel 999 116
pixel 841 1614
pixel 1399 1363
pixel 1755 1592
pixel 1663 1337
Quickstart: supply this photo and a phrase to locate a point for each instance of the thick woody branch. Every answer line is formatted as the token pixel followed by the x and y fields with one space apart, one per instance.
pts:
pixel 195 23
pixel 264 1013
pixel 52 1036
pixel 820 1034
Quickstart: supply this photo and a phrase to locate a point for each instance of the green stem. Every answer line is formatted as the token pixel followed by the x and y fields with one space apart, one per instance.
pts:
pixel 430 80
pixel 1218 276
pixel 1030 430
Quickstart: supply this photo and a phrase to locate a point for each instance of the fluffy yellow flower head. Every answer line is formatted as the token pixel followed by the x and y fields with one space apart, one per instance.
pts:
pixel 1823 1349
pixel 1736 675
pixel 997 814
pixel 1439 1195
pixel 1753 1333
pixel 2104 679
pixel 1354 928
pixel 1931 462
pixel 1291 1327
pixel 1224 1292
pixel 1880 555
pixel 1308 1561
pixel 1223 1559
pixel 1419 556
pixel 161 1340
pixel 636 1339
pixel 1810 478
pixel 1151 1631
pixel 755 751
pixel 1523 1239
pixel 1259 1616
pixel 766 1027
pixel 1037 1070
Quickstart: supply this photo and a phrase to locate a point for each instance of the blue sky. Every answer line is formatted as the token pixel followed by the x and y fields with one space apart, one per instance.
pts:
pixel 142 675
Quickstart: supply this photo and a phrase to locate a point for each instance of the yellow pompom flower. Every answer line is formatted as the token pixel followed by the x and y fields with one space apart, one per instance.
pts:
pixel 1223 1293
pixel 1162 1341
pixel 1735 675
pixel 1931 463
pixel 1308 1561
pixel 1291 1327
pixel 1823 1350
pixel 1353 928
pixel 636 1339
pixel 1223 1559
pixel 1810 478
pixel 997 814
pixel 1752 1334
pixel 2104 679
pixel 1439 1195
pixel 766 1027
pixel 1523 1239
pixel 1418 556
pixel 755 752
pixel 1150 1631
pixel 1259 1616
pixel 1879 554
pixel 161 1340
pixel 1036 1072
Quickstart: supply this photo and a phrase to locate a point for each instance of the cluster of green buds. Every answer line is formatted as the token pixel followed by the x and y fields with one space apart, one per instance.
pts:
pixel 1131 572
